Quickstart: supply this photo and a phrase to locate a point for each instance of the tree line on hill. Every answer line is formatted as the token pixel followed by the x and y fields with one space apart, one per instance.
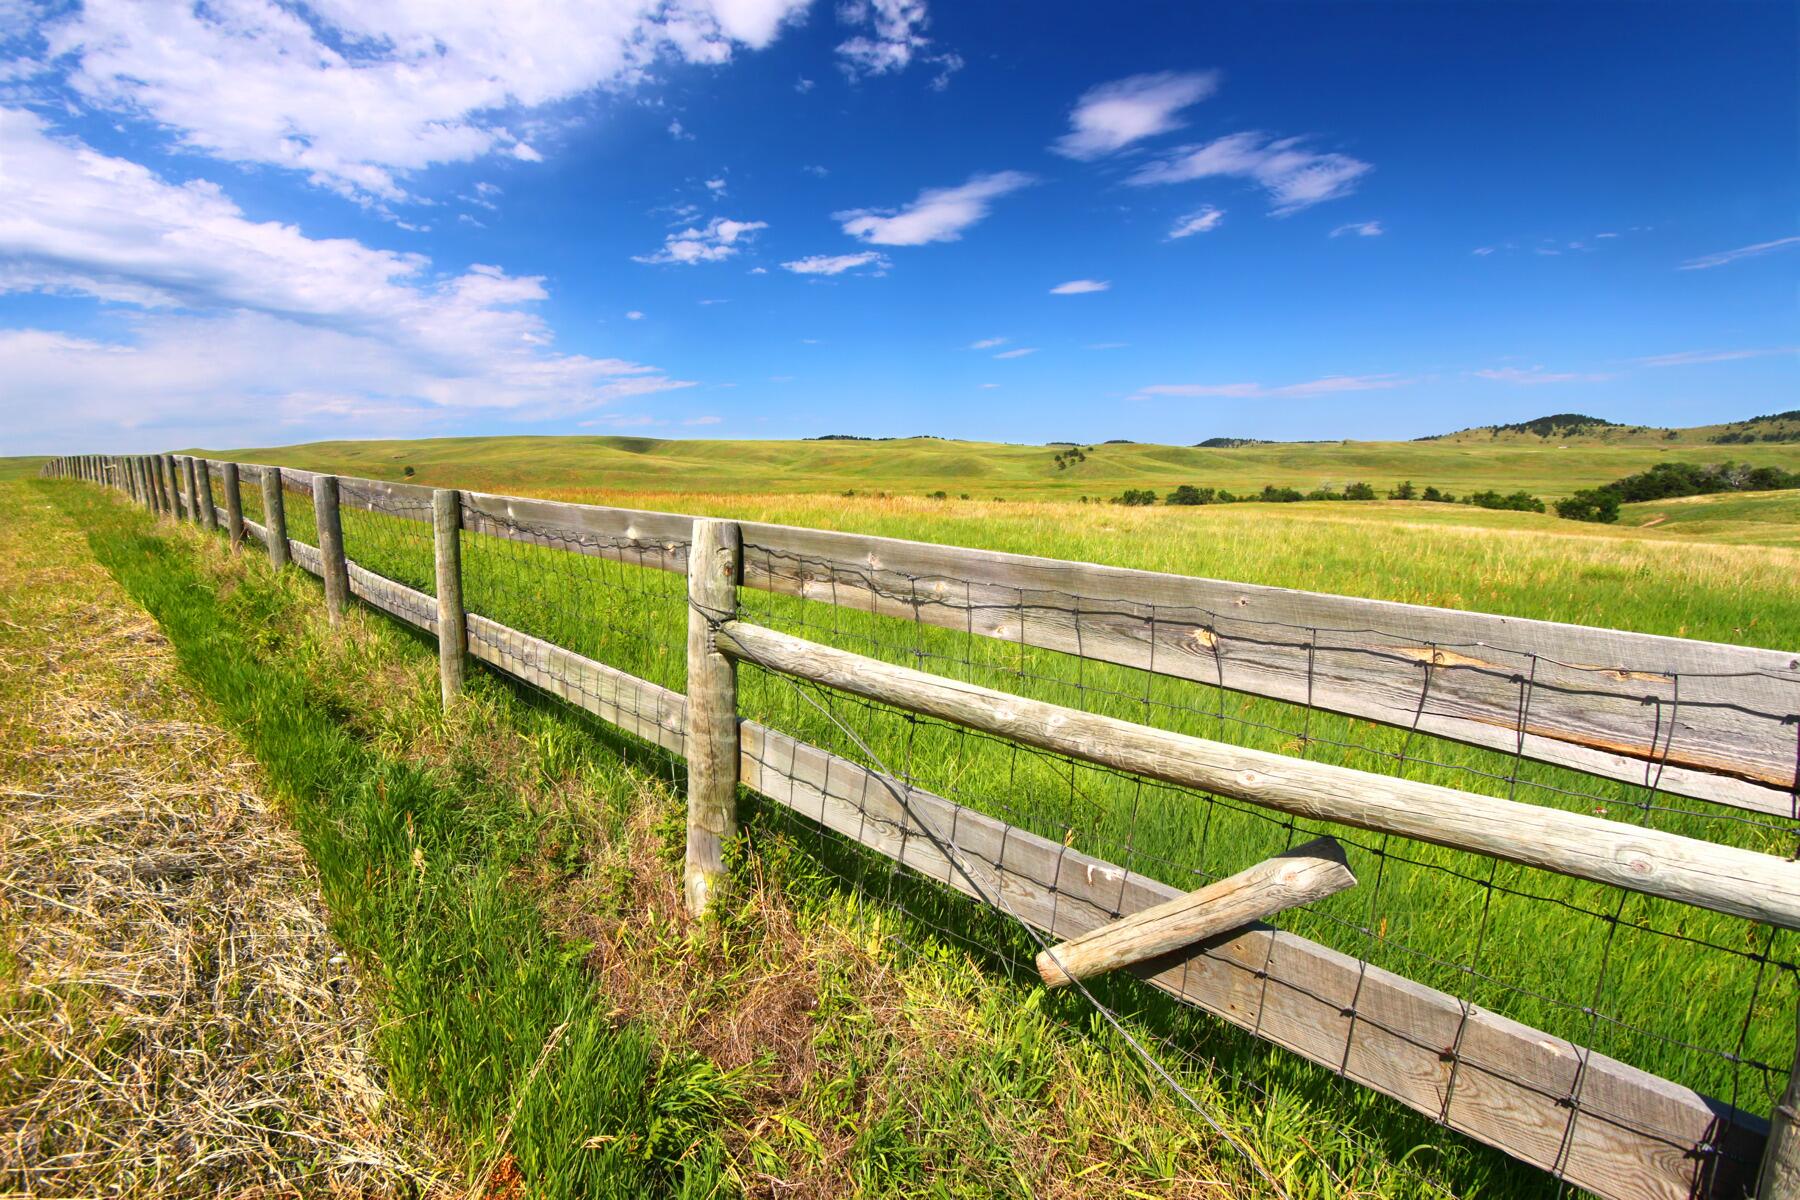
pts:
pixel 1188 494
pixel 1601 504
pixel 1666 481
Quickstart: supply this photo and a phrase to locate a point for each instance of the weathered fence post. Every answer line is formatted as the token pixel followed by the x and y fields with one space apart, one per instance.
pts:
pixel 1780 1175
pixel 331 546
pixel 193 488
pixel 275 517
pixel 715 560
pixel 209 513
pixel 453 629
pixel 159 496
pixel 173 484
pixel 234 505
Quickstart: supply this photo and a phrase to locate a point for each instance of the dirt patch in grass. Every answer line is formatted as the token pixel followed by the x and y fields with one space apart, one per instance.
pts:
pixel 175 1017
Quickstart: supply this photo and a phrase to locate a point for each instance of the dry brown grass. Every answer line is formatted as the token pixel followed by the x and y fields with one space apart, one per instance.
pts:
pixel 175 1018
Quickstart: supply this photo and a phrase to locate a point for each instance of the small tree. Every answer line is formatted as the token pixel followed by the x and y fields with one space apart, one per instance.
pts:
pixel 1590 504
pixel 1135 497
pixel 1403 491
pixel 1187 493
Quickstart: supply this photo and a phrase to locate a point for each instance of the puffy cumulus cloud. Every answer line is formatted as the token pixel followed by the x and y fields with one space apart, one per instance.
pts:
pixel 1294 177
pixel 1203 220
pixel 837 264
pixel 719 240
pixel 892 38
pixel 357 95
pixel 937 215
pixel 1112 116
pixel 226 312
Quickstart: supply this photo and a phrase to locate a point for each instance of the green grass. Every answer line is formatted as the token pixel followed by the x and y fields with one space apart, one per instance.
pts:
pixel 1542 949
pixel 985 470
pixel 27 467
pixel 1539 945
pixel 507 876
pixel 1753 518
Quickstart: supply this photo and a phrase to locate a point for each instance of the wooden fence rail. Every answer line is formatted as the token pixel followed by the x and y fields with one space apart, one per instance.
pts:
pixel 1727 731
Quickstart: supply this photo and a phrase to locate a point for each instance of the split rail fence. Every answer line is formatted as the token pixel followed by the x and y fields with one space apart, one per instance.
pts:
pixel 1555 903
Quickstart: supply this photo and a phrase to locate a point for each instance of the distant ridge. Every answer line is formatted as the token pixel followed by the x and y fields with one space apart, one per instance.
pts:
pixel 1580 427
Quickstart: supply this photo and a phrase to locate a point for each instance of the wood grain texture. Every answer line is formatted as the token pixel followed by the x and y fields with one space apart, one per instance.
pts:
pixel 208 513
pixel 1725 879
pixel 1299 876
pixel 331 545
pixel 234 506
pixel 408 501
pixel 191 475
pixel 1630 1136
pixel 453 632
pixel 714 565
pixel 637 706
pixel 1701 719
pixel 1779 1176
pixel 274 506
pixel 396 599
pixel 648 539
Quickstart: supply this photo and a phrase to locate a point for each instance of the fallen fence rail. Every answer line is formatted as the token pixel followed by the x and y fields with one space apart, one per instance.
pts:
pixel 1708 721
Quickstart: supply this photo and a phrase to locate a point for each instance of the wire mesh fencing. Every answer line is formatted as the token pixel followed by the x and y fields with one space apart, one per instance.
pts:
pixel 1007 841
pixel 1701 998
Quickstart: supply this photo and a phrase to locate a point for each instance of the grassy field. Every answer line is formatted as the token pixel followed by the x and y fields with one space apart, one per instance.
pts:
pixel 921 466
pixel 1533 946
pixel 1749 518
pixel 506 878
pixel 1673 993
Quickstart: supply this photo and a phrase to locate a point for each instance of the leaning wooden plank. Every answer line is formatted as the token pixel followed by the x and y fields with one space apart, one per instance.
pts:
pixel 409 604
pixel 637 706
pixel 649 539
pixel 252 529
pixel 1299 876
pixel 305 556
pixel 1725 879
pixel 1629 1134
pixel 1701 719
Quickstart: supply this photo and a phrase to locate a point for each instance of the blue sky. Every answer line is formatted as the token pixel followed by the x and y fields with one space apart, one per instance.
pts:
pixel 248 222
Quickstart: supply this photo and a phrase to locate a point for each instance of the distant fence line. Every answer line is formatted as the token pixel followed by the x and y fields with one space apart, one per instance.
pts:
pixel 1659 723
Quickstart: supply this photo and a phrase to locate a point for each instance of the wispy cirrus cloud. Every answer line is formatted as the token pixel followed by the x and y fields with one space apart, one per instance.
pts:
pixel 1687 358
pixel 1021 352
pixel 987 343
pixel 893 38
pixel 357 96
pixel 1532 376
pixel 1112 116
pixel 1708 261
pixel 937 215
pixel 1359 229
pixel 1293 176
pixel 837 264
pixel 1202 220
pixel 1324 386
pixel 717 240
pixel 1081 287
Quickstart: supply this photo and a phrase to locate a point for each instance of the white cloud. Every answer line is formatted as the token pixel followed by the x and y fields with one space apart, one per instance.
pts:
pixel 358 95
pixel 717 241
pixel 1482 251
pixel 678 132
pixel 1111 116
pixel 707 420
pixel 238 314
pixel 1360 229
pixel 895 36
pixel 716 186
pixel 1692 357
pixel 1325 386
pixel 1731 256
pixel 1203 220
pixel 837 264
pixel 817 172
pixel 1080 287
pixel 1537 375
pixel 1294 177
pixel 803 85
pixel 987 343
pixel 1021 352
pixel 986 386
pixel 634 315
pixel 938 215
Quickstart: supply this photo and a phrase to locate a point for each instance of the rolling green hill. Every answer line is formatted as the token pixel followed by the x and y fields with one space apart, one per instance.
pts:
pixel 1782 427
pixel 986 470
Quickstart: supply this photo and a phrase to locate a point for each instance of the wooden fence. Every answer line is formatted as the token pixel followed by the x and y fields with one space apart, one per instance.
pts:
pixel 1709 722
